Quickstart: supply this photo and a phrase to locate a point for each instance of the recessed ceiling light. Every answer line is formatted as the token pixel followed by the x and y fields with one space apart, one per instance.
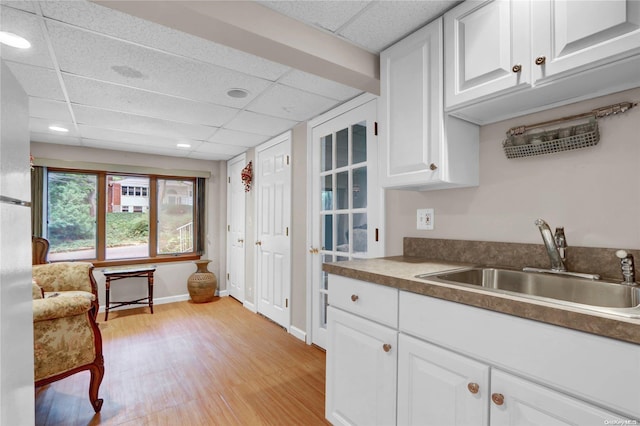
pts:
pixel 58 129
pixel 237 93
pixel 183 145
pixel 14 40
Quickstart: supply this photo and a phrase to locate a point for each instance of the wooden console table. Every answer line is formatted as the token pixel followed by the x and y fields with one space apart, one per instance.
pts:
pixel 113 274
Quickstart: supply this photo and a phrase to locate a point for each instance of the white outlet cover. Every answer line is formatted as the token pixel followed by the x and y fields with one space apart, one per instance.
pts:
pixel 425 219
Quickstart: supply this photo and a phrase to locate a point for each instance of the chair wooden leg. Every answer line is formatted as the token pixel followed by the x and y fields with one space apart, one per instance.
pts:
pixel 97 373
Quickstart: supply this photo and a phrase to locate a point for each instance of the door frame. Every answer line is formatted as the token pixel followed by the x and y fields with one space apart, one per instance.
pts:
pixel 321 119
pixel 256 173
pixel 242 158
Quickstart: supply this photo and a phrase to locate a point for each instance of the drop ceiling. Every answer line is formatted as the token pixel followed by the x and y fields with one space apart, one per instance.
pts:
pixel 124 83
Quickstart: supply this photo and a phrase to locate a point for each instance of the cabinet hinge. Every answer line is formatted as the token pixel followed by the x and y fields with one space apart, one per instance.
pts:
pixel 286 231
pixel 229 179
pixel 287 160
pixel 286 303
pixel 377 239
pixel 227 275
pixel 228 227
pixel 375 128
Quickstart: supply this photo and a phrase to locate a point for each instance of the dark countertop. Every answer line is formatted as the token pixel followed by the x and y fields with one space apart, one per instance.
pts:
pixel 400 271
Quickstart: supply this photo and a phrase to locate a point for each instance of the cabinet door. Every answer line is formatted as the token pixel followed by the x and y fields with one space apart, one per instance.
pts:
pixel 582 34
pixel 486 50
pixel 361 371
pixel 411 108
pixel 438 387
pixel 518 402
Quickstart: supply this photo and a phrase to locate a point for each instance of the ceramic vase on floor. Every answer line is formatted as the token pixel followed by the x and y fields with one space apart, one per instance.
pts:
pixel 202 284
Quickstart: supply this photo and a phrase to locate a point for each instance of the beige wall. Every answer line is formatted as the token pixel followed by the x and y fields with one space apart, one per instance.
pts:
pixel 299 227
pixel 170 278
pixel 593 192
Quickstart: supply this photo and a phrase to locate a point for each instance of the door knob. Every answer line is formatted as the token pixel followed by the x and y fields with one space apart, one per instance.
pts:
pixel 433 166
pixel 258 243
pixel 240 240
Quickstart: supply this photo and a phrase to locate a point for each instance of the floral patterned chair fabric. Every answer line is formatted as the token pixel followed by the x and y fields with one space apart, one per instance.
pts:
pixel 67 339
pixel 67 279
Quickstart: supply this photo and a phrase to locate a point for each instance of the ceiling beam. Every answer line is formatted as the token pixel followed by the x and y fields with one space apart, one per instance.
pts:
pixel 258 30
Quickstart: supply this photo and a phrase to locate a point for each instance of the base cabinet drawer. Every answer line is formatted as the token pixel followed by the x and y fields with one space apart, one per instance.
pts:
pixel 361 371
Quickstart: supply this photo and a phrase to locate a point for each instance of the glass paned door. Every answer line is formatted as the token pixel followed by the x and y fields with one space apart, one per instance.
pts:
pixel 345 183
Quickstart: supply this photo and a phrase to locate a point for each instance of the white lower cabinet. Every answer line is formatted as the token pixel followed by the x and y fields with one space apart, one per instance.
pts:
pixel 407 359
pixel 439 387
pixel 361 371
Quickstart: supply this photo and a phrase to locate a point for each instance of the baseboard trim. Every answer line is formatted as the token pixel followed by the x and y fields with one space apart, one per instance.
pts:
pixel 250 306
pixel 298 334
pixel 156 301
pixel 223 293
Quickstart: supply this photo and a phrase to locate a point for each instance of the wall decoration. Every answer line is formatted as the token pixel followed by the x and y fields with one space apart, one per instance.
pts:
pixel 247 176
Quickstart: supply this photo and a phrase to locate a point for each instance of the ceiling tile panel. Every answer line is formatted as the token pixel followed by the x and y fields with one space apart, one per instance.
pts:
pixel 97 117
pixel 120 25
pixel 48 109
pixel 318 85
pixel 87 54
pixel 385 22
pixel 89 132
pixel 288 102
pixel 119 98
pixel 144 149
pixel 27 5
pixel 329 15
pixel 37 82
pixel 41 125
pixel 55 139
pixel 234 137
pixel 28 26
pixel 221 149
pixel 261 124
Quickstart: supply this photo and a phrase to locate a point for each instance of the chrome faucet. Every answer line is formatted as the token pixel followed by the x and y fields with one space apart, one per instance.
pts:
pixel 555 244
pixel 628 267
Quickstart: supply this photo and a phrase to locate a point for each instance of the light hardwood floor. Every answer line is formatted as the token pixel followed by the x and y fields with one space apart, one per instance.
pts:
pixel 194 364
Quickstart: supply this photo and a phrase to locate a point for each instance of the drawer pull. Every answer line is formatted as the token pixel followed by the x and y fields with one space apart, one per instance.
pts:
pixel 354 297
pixel 541 60
pixel 497 398
pixel 516 68
pixel 473 388
pixel 386 347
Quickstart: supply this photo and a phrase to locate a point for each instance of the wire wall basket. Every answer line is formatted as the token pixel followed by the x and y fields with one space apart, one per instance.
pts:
pixel 549 142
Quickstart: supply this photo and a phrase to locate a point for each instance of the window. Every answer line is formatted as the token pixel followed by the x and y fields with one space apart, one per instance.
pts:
pixel 120 218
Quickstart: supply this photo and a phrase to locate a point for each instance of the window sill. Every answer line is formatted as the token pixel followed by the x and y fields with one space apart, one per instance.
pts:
pixel 144 260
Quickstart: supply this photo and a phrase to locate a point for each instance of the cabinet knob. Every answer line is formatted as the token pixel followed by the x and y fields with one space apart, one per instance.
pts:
pixel 258 243
pixel 497 398
pixel 354 297
pixel 517 68
pixel 433 166
pixel 240 240
pixel 473 388
pixel 386 347
pixel 541 60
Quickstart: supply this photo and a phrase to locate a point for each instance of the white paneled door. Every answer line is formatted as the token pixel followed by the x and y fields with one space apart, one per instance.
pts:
pixel 235 227
pixel 346 201
pixel 273 222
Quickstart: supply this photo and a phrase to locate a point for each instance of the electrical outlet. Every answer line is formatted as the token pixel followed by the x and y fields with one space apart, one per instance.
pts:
pixel 425 219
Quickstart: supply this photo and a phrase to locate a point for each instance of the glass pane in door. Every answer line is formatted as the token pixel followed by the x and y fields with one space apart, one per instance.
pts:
pixel 327 193
pixel 359 193
pixel 342 189
pixel 326 153
pixel 342 148
pixel 359 144
pixel 327 232
pixel 342 232
pixel 359 242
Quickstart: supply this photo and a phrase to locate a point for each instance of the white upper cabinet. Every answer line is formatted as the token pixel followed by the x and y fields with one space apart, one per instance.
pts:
pixel 487 50
pixel 567 35
pixel 506 58
pixel 420 147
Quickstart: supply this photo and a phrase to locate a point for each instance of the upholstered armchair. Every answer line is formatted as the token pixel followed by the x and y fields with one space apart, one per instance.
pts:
pixel 67 278
pixel 67 339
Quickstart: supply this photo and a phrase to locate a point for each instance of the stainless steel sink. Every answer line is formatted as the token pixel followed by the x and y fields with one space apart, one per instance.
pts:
pixel 596 295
